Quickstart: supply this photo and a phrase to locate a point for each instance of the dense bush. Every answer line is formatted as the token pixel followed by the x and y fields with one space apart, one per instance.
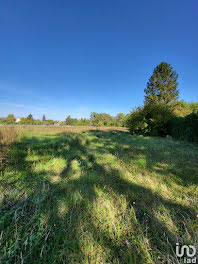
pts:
pixel 151 120
pixel 157 117
pixel 136 121
pixel 158 120
pixel 185 128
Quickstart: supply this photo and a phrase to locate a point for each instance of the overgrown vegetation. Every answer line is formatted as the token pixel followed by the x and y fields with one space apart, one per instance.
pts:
pixel 98 197
pixel 150 120
pixel 162 113
pixel 7 137
pixel 184 128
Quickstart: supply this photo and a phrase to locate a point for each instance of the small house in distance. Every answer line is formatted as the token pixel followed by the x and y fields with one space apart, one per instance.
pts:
pixel 18 120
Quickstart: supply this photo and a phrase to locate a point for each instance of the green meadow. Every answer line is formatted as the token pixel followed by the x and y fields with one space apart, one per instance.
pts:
pixel 98 197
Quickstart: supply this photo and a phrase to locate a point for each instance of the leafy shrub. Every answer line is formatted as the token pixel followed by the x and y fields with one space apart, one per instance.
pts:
pixel 157 117
pixel 150 120
pixel 185 128
pixel 177 127
pixel 136 121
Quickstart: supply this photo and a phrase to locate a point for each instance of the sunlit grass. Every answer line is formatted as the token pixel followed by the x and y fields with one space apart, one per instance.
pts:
pixel 98 197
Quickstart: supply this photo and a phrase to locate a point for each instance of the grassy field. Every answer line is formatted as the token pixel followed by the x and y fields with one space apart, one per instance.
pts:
pixel 97 197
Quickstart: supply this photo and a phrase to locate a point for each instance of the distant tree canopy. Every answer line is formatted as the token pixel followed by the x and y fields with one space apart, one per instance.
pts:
pixel 162 86
pixel 96 119
pixel 30 117
pixel 103 119
pixel 50 122
pixel 120 119
pixel 29 120
pixel 43 118
pixel 9 119
pixel 83 122
pixel 70 121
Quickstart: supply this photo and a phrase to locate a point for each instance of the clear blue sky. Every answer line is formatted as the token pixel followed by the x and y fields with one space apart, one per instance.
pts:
pixel 75 57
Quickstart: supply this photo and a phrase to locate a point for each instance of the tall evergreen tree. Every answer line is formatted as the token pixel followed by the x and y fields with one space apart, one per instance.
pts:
pixel 30 117
pixel 43 119
pixel 162 86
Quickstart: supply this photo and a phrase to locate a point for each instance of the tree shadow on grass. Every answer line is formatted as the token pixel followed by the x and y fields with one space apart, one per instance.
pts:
pixel 54 222
pixel 173 154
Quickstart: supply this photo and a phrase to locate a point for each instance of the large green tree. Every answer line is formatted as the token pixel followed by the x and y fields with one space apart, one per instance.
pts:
pixel 9 119
pixel 120 119
pixel 162 86
pixel 70 121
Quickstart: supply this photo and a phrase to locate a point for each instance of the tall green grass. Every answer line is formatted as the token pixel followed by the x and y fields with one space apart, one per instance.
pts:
pixel 98 197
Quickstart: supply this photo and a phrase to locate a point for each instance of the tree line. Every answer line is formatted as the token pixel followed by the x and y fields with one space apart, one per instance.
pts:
pixel 96 119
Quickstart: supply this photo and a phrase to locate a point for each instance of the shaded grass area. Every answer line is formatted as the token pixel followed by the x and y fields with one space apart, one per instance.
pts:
pixel 98 197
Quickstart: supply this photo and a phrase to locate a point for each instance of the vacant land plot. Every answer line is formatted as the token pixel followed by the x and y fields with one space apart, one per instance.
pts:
pixel 58 129
pixel 98 197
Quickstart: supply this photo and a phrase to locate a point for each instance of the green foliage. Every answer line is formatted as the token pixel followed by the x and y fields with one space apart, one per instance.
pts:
pixel 30 117
pixel 157 117
pixel 136 121
pixel 184 128
pixel 29 120
pixel 159 105
pixel 193 107
pixel 70 121
pixel 83 122
pixel 177 127
pixel 120 120
pixel 182 109
pixel 150 120
pixel 25 120
pixel 43 118
pixel 50 122
pixel 96 119
pixel 162 86
pixel 103 119
pixel 10 119
pixel 162 114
